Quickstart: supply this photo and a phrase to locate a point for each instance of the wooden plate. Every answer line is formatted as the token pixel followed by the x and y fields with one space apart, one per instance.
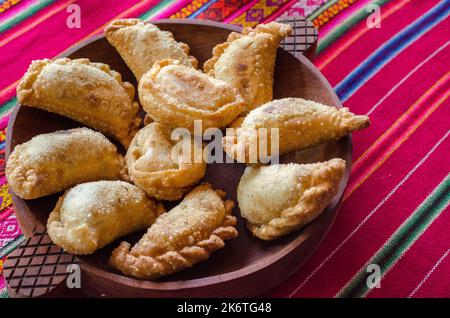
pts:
pixel 246 266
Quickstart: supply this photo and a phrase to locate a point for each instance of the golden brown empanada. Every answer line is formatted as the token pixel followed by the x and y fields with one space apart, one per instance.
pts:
pixel 175 95
pixel 90 93
pixel 92 215
pixel 156 168
pixel 300 124
pixel 279 199
pixel 180 238
pixel 247 60
pixel 50 163
pixel 141 44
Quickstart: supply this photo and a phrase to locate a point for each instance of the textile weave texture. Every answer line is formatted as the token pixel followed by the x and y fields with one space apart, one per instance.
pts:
pixel 387 59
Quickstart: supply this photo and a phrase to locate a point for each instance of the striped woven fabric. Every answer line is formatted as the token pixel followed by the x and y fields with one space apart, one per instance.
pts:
pixel 387 59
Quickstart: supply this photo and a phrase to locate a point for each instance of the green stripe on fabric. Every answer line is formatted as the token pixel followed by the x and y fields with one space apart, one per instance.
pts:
pixel 4 293
pixel 16 19
pixel 11 246
pixel 156 9
pixel 402 239
pixel 321 9
pixel 346 25
pixel 6 107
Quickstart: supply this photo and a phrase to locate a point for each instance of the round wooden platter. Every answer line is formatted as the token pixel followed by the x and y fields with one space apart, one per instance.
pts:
pixel 246 266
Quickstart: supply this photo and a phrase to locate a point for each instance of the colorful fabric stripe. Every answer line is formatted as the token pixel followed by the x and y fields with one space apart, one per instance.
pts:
pixel 402 239
pixel 391 212
pixel 7 107
pixel 259 12
pixel 344 249
pixel 195 14
pixel 400 132
pixel 36 6
pixel 373 39
pixel 189 9
pixel 335 10
pixel 9 8
pixel 329 55
pixel 339 29
pixel 303 8
pixel 390 49
pixel 221 10
pixel 164 9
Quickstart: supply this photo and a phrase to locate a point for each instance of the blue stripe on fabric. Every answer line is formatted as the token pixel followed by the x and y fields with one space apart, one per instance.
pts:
pixel 390 49
pixel 206 6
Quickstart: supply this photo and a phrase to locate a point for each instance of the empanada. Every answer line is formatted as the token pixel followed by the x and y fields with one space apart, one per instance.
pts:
pixel 92 215
pixel 180 238
pixel 90 93
pixel 155 167
pixel 50 163
pixel 279 199
pixel 176 95
pixel 299 124
pixel 247 61
pixel 141 44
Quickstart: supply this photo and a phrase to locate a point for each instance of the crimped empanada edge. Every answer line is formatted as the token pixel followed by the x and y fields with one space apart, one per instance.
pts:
pixel 310 205
pixel 163 265
pixel 24 89
pixel 148 267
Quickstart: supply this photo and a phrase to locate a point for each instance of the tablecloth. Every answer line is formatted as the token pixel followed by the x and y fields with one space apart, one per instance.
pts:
pixel 387 59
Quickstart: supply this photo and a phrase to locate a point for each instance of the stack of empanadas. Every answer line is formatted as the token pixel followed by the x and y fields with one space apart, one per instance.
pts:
pixel 108 196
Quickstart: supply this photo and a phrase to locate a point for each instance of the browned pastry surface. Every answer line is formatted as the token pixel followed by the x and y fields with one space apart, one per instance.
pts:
pixel 90 93
pixel 180 238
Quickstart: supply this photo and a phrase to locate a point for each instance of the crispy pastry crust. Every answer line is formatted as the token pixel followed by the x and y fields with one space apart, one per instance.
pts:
pixel 151 167
pixel 176 96
pixel 141 44
pixel 50 163
pixel 247 60
pixel 297 193
pixel 92 215
pixel 90 93
pixel 180 238
pixel 301 124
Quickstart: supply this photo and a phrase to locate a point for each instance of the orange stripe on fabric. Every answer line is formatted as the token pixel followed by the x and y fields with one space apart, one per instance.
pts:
pixel 396 145
pixel 400 120
pixel 34 23
pixel 359 34
pixel 8 88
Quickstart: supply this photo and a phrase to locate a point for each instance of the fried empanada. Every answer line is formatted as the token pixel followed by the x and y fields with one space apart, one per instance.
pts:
pixel 300 124
pixel 90 93
pixel 156 168
pixel 91 215
pixel 50 163
pixel 180 238
pixel 279 199
pixel 141 44
pixel 176 95
pixel 247 61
